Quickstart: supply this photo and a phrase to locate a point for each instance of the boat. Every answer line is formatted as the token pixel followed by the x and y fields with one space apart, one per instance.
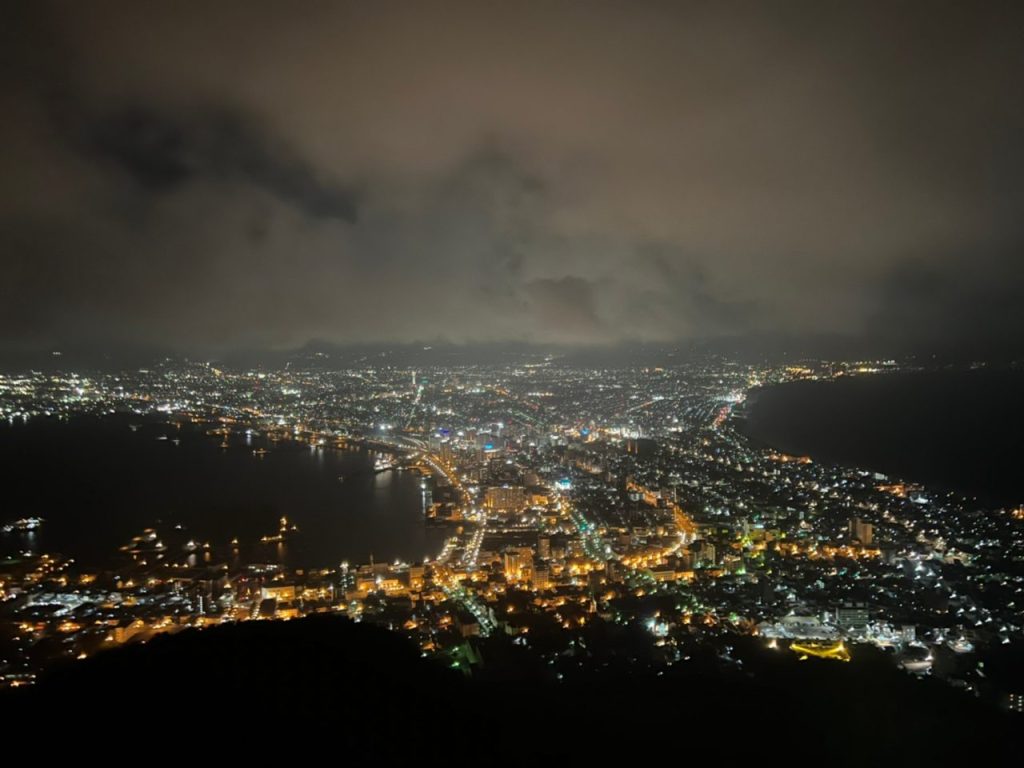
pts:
pixel 283 530
pixel 383 465
pixel 24 524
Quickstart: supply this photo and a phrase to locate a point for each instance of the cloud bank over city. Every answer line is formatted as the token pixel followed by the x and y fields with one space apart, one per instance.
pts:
pixel 227 175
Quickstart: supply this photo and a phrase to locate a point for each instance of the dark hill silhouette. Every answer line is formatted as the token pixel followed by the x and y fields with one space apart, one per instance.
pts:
pixel 373 694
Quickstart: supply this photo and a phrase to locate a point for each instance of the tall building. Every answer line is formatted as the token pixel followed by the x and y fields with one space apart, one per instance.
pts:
pixel 519 564
pixel 505 498
pixel 703 552
pixel 544 548
pixel 862 531
pixel 540 576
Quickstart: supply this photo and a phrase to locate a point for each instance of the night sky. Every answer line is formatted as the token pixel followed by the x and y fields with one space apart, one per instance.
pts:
pixel 217 175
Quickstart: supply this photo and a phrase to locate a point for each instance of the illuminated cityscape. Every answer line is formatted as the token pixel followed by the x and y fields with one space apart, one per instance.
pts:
pixel 568 498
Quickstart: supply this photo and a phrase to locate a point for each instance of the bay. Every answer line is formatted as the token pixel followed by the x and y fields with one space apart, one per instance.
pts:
pixel 957 430
pixel 99 481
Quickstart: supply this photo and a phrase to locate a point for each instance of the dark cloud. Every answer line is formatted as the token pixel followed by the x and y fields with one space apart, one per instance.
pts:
pixel 565 307
pixel 163 152
pixel 684 283
pixel 210 176
pixel 955 303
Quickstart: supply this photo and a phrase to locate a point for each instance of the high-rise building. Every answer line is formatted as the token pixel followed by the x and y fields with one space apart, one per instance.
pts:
pixel 540 577
pixel 544 548
pixel 518 564
pixel 862 531
pixel 703 552
pixel 505 498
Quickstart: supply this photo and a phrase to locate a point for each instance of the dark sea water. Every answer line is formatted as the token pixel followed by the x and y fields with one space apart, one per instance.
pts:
pixel 97 483
pixel 958 430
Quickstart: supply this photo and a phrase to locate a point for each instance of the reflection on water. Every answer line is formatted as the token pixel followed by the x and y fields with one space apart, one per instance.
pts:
pixel 98 483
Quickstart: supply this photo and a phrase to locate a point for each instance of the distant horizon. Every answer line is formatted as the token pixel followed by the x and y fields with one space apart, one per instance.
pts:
pixel 441 352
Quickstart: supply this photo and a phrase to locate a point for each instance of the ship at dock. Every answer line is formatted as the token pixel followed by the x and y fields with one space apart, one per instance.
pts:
pixel 25 524
pixel 380 464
